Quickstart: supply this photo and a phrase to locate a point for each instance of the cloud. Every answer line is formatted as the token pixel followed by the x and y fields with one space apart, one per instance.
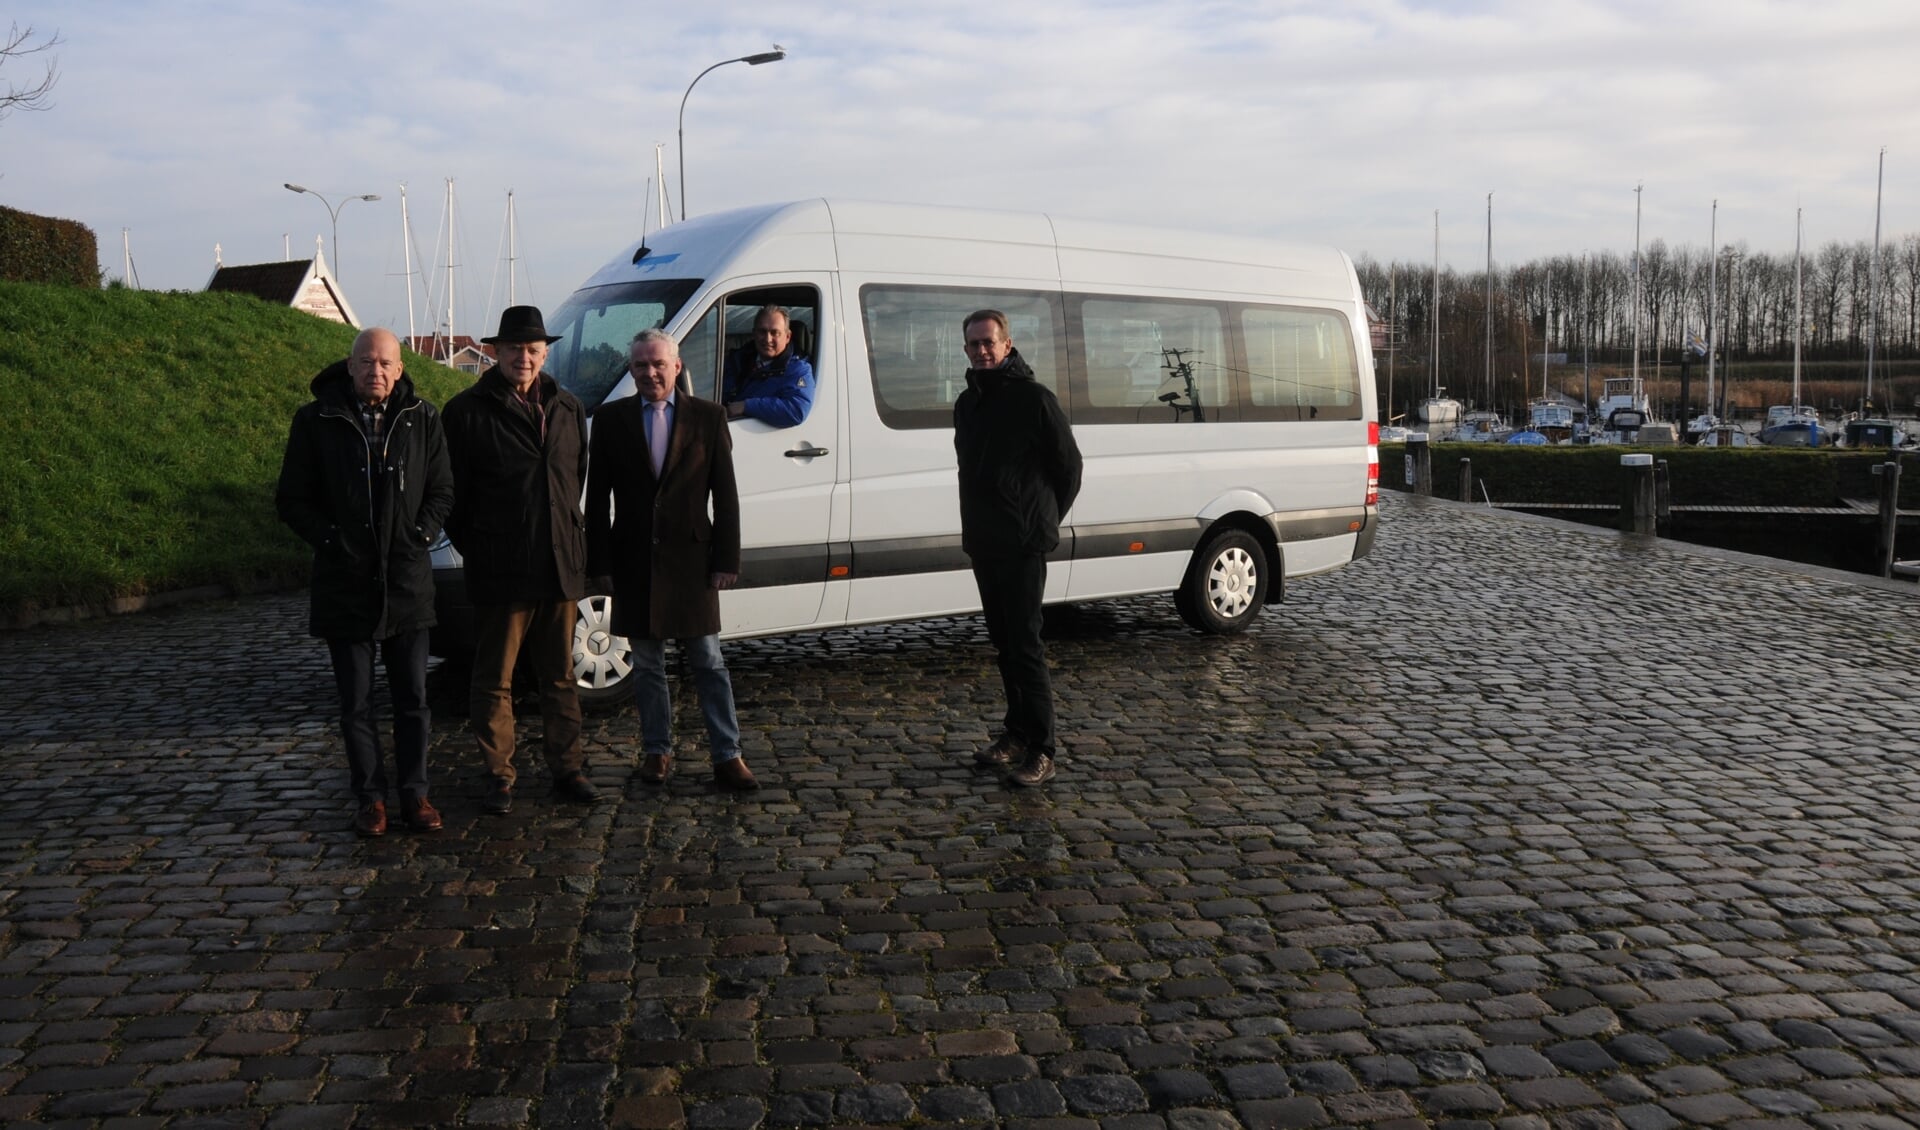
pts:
pixel 1346 123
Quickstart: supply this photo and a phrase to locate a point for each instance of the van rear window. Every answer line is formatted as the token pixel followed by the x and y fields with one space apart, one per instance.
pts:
pixel 1300 364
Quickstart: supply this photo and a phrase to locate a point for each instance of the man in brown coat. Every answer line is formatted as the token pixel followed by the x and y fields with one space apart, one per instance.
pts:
pixel 518 444
pixel 657 459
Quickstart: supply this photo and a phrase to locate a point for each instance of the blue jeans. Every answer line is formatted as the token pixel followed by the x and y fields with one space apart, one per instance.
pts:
pixel 710 679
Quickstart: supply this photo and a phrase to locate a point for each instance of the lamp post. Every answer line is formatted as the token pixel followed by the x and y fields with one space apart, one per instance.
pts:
pixel 333 214
pixel 778 53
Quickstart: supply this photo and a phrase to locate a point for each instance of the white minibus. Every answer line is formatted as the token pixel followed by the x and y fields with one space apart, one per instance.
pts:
pixel 1220 388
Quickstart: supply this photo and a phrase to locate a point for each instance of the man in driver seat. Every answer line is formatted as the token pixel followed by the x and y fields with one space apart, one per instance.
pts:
pixel 769 381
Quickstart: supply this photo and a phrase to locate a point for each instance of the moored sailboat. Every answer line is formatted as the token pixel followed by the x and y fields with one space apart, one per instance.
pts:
pixel 1438 409
pixel 1796 424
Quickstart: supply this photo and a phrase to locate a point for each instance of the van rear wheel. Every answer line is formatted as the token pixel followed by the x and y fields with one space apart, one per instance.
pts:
pixel 1225 585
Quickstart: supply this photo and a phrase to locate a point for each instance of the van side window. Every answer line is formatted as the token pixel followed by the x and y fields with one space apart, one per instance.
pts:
pixel 700 357
pixel 1300 364
pixel 914 338
pixel 704 350
pixel 1154 361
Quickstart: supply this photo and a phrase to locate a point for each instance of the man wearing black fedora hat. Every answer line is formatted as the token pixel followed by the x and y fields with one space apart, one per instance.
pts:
pixel 518 443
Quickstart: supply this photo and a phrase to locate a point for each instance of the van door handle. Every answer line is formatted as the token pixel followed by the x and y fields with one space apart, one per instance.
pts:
pixel 807 452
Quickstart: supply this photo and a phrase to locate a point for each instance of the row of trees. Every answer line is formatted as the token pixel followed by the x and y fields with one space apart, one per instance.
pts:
pixel 1583 306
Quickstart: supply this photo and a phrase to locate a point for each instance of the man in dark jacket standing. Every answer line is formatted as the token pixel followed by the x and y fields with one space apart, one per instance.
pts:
pixel 1019 472
pixel 365 482
pixel 519 447
pixel 659 461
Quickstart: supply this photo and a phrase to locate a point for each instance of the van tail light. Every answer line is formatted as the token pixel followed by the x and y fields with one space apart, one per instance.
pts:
pixel 1373 462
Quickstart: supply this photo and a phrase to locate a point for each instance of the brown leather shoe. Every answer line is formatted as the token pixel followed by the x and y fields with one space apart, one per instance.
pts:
pixel 1005 750
pixel 734 776
pixel 420 814
pixel 655 768
pixel 372 819
pixel 1037 771
pixel 575 787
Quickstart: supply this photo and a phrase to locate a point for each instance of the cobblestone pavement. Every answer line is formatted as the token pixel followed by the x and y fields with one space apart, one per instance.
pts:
pixel 1513 824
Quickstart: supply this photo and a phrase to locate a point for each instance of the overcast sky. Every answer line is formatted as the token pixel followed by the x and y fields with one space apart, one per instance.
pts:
pixel 1340 121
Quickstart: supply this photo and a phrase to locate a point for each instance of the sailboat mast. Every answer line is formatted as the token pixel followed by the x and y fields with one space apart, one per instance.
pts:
pixel 1490 300
pixel 1713 275
pixel 449 356
pixel 510 256
pixel 1393 317
pixel 406 256
pixel 1636 287
pixel 1873 276
pixel 1797 228
pixel 1433 313
pixel 660 179
pixel 1546 334
pixel 1586 331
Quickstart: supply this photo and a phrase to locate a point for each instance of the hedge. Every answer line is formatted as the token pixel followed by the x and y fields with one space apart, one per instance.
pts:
pixel 1714 476
pixel 41 249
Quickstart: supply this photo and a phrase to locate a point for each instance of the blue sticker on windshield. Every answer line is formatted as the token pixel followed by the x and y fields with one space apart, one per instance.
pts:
pixel 652 261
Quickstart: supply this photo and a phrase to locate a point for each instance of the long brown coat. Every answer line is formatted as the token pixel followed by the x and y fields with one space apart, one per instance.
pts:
pixel 516 494
pixel 654 538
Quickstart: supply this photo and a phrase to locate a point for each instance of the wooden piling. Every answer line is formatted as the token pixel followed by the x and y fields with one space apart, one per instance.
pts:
pixel 1637 496
pixel 1419 464
pixel 1889 473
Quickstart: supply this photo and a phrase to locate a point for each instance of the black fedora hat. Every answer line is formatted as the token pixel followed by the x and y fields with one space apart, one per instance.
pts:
pixel 521 323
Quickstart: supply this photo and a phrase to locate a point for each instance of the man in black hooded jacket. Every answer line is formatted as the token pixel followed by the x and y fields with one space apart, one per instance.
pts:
pixel 1019 472
pixel 365 482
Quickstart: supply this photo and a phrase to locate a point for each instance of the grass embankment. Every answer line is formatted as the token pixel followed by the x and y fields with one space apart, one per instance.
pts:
pixel 140 439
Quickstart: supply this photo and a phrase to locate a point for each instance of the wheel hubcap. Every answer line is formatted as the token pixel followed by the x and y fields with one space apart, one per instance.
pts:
pixel 600 658
pixel 1230 583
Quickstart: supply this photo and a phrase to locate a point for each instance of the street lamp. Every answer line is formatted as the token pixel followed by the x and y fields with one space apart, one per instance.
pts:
pixel 333 213
pixel 778 53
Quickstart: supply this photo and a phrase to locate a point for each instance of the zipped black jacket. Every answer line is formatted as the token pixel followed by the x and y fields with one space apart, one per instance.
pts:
pixel 1019 464
pixel 372 577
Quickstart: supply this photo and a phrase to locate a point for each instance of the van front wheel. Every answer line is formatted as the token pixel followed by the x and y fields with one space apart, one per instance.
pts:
pixel 602 661
pixel 1225 585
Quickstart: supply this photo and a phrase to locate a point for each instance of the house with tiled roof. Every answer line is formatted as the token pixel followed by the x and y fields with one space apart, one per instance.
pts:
pixel 304 284
pixel 460 352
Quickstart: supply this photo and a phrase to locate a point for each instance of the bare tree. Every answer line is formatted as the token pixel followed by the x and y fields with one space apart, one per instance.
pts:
pixel 33 96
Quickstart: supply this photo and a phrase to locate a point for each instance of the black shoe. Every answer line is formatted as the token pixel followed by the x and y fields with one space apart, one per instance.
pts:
pixel 499 798
pixel 576 788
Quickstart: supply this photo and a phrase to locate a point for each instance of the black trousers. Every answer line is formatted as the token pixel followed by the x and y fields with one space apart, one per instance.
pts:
pixel 1010 593
pixel 405 658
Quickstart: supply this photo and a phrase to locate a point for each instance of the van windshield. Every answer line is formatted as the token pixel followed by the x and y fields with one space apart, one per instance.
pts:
pixel 595 326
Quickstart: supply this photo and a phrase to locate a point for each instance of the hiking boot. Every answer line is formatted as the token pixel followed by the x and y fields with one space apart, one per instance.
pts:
pixel 1038 770
pixel 1005 750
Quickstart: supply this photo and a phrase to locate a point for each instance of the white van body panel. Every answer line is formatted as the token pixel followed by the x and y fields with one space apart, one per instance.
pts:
pixel 872 498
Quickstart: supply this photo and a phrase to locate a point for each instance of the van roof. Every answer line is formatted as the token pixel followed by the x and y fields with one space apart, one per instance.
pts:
pixel 950 244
